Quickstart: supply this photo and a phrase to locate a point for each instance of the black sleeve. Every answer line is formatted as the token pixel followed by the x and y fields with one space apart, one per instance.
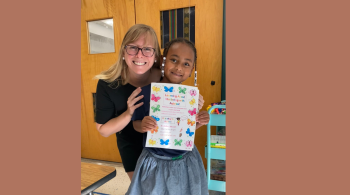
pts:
pixel 105 109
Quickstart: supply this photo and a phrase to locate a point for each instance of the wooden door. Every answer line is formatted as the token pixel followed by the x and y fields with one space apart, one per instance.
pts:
pixel 208 42
pixel 93 145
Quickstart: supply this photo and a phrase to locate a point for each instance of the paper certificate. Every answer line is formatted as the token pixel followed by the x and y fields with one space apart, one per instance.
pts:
pixel 174 107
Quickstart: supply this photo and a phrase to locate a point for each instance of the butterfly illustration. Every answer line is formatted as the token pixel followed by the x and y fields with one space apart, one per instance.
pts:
pixel 168 89
pixel 154 98
pixel 182 90
pixel 156 118
pixel 152 142
pixel 192 102
pixel 162 142
pixel 193 112
pixel 189 132
pixel 156 89
pixel 178 142
pixel 189 122
pixel 189 143
pixel 155 108
pixel 154 130
pixel 193 92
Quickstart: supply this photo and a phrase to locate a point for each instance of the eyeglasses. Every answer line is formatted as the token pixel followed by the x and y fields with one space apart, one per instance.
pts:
pixel 133 50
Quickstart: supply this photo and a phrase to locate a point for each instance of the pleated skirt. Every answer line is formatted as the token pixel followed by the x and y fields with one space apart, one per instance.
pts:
pixel 161 175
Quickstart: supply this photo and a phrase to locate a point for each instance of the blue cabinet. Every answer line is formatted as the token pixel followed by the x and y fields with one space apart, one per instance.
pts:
pixel 215 153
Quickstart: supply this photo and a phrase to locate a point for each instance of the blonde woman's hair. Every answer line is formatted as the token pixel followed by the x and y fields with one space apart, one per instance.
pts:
pixel 118 72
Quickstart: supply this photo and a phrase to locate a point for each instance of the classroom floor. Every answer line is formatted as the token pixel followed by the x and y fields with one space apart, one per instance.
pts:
pixel 119 184
pixel 116 186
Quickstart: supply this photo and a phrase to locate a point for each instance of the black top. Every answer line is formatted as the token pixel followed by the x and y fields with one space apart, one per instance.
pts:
pixel 111 103
pixel 143 111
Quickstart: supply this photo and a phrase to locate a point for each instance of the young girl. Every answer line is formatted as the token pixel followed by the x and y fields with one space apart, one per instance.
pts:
pixel 167 171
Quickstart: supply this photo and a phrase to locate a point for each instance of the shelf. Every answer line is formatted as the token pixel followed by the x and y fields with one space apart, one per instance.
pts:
pixel 217 185
pixel 216 153
pixel 217 120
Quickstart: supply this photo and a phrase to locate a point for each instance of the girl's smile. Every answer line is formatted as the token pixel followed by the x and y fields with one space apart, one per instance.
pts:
pixel 176 74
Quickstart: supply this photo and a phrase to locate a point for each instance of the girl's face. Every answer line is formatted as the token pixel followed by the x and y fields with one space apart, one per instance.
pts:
pixel 138 63
pixel 179 63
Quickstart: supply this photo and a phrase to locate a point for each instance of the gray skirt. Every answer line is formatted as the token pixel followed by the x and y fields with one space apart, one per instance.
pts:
pixel 160 175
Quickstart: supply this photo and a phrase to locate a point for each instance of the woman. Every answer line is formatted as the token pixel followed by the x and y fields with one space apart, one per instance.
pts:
pixel 137 65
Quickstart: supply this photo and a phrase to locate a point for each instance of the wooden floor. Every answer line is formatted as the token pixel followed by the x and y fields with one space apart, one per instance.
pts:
pixel 116 186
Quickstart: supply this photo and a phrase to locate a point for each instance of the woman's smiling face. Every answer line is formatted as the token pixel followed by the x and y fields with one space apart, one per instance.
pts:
pixel 139 63
pixel 179 63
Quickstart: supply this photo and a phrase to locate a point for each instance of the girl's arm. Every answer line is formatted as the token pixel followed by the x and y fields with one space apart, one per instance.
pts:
pixel 137 126
pixel 146 124
pixel 202 118
pixel 200 102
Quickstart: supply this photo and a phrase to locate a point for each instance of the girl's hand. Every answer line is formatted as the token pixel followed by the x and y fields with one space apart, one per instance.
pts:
pixel 202 117
pixel 148 123
pixel 132 101
pixel 200 102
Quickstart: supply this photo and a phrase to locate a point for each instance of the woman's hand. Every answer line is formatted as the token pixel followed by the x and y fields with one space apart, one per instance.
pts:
pixel 200 102
pixel 148 123
pixel 132 101
pixel 202 118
